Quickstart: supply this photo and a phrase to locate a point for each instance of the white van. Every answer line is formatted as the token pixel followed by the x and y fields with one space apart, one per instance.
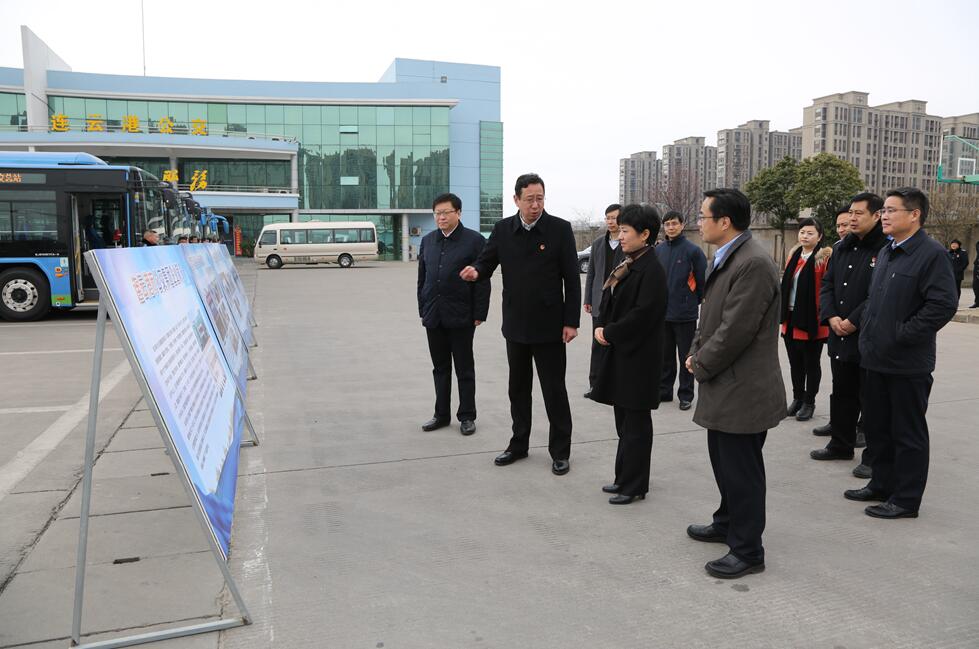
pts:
pixel 316 242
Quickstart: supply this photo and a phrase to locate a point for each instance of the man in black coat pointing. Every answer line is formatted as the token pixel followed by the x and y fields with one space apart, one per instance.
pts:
pixel 451 309
pixel 541 312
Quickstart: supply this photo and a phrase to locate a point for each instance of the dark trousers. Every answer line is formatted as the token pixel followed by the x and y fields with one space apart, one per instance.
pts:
pixel 804 365
pixel 894 408
pixel 593 363
pixel 632 458
pixel 448 345
pixel 677 338
pixel 975 287
pixel 739 470
pixel 551 361
pixel 844 404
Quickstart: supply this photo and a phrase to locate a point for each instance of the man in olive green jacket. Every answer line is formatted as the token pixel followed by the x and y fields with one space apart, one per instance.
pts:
pixel 734 358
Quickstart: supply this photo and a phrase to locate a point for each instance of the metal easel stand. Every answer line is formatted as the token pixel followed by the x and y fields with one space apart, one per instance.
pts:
pixel 128 641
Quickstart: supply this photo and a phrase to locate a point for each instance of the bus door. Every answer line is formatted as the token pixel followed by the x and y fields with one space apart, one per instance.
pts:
pixel 77 265
pixel 98 221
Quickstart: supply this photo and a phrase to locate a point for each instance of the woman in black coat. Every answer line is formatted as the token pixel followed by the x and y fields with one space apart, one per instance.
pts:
pixel 960 261
pixel 629 329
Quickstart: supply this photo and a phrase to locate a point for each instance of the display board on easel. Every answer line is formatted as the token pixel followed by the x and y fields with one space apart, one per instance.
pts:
pixel 191 390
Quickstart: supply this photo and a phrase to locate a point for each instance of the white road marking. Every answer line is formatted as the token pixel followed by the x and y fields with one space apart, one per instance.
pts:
pixel 34 453
pixel 60 351
pixel 32 410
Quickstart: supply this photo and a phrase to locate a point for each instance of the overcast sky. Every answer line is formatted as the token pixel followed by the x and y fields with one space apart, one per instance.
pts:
pixel 581 88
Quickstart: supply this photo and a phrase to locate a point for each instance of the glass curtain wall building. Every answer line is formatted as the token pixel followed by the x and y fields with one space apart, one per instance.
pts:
pixel 268 151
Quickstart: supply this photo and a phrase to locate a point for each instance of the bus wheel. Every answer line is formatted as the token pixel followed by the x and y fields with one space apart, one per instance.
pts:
pixel 273 262
pixel 24 295
pixel 345 261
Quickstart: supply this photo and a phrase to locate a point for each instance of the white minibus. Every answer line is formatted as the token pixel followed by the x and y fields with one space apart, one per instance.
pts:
pixel 316 242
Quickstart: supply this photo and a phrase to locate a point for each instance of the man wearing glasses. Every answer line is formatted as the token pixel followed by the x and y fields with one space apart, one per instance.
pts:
pixel 842 301
pixel 450 310
pixel 912 296
pixel 541 294
pixel 734 358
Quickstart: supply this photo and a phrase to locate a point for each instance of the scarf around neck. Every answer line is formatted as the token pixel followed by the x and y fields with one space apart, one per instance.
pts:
pixel 621 271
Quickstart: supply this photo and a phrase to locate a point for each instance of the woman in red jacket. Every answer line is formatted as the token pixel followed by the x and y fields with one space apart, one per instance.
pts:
pixel 803 334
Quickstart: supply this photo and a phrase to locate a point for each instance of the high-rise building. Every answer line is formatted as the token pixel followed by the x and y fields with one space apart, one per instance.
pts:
pixel 639 176
pixel 744 151
pixel 893 145
pixel 691 161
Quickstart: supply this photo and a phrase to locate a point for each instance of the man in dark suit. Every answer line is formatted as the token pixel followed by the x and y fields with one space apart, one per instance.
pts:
pixel 605 255
pixel 451 309
pixel 541 293
pixel 734 357
pixel 842 299
pixel 912 296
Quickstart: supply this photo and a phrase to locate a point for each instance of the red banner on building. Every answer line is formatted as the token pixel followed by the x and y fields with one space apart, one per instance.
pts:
pixel 237 241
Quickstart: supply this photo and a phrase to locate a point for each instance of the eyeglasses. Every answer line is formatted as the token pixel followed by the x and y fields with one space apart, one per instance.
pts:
pixel 531 200
pixel 702 217
pixel 445 212
pixel 891 210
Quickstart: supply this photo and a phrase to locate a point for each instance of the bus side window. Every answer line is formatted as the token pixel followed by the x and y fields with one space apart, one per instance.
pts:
pixel 366 236
pixel 268 238
pixel 321 236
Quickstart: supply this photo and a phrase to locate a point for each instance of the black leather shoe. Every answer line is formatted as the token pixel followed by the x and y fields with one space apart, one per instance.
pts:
pixel 864 494
pixel 434 424
pixel 685 405
pixel 560 467
pixel 622 499
pixel 508 457
pixel 587 395
pixel 890 510
pixel 974 306
pixel 611 488
pixel 823 431
pixel 805 412
pixel 467 427
pixel 706 533
pixel 861 440
pixel 794 408
pixel 863 471
pixel 830 454
pixel 731 567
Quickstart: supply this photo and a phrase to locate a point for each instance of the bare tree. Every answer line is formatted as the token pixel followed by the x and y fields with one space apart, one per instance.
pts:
pixel 680 192
pixel 586 227
pixel 953 210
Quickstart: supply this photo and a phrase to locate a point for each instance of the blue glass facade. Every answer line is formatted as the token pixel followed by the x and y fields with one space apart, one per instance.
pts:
pixel 379 151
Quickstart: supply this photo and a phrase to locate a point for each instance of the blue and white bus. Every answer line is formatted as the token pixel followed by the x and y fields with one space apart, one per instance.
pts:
pixel 56 206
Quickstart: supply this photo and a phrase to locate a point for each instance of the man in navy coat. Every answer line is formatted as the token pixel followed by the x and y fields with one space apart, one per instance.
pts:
pixel 451 309
pixel 541 313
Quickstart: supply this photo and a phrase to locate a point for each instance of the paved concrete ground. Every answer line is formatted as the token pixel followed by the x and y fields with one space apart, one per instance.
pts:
pixel 356 529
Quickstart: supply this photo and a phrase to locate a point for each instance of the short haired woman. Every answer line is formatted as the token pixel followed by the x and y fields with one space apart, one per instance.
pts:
pixel 629 329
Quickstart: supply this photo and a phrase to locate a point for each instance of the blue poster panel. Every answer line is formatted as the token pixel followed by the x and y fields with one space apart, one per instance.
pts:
pixel 163 319
pixel 218 309
pixel 234 289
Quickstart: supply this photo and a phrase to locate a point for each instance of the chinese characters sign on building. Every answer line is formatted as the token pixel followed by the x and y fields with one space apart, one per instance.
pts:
pixel 60 123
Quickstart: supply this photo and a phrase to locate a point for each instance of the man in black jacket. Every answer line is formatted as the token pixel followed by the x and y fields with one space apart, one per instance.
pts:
pixel 842 299
pixel 604 256
pixel 685 265
pixel 451 309
pixel 541 294
pixel 912 296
